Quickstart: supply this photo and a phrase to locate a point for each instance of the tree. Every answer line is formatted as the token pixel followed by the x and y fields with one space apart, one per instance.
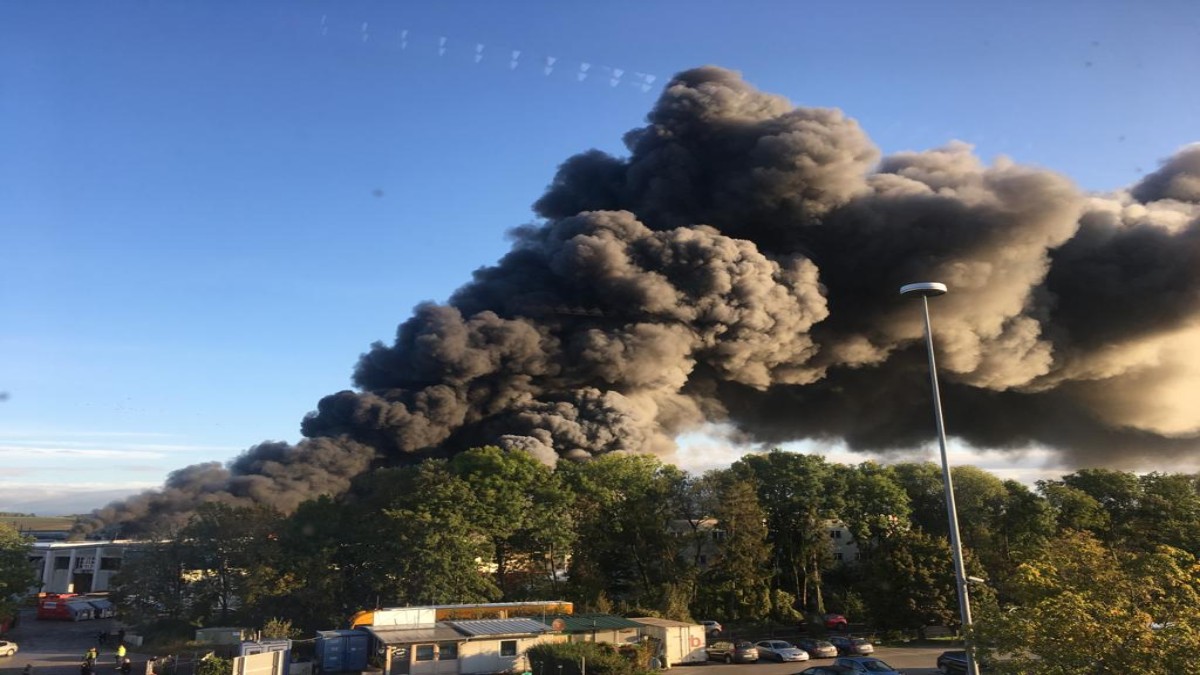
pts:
pixel 434 525
pixel 623 511
pixel 1081 606
pixel 1117 492
pixel 736 583
pixel 16 576
pixel 979 499
pixel 1025 524
pixel 151 584
pixel 1168 512
pixel 232 552
pixel 323 566
pixel 1074 509
pixel 910 580
pixel 524 507
pixel 872 503
pixel 796 491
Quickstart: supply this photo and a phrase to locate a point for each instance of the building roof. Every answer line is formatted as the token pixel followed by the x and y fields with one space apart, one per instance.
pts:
pixel 492 627
pixel 667 623
pixel 586 623
pixel 397 635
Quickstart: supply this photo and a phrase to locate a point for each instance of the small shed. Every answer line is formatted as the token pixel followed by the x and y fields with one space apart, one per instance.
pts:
pixel 422 650
pixel 615 630
pixel 681 642
pixel 499 645
pixel 221 635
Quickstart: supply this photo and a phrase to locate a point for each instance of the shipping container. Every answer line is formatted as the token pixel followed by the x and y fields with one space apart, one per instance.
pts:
pixel 679 642
pixel 341 651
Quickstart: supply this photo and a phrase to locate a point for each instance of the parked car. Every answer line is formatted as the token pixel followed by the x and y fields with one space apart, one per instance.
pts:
pixel 8 648
pixel 836 622
pixel 780 651
pixel 852 646
pixel 730 652
pixel 712 628
pixel 817 649
pixel 830 669
pixel 867 664
pixel 952 662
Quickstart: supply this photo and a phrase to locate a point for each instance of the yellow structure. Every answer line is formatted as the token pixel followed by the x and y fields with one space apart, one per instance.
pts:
pixel 487 610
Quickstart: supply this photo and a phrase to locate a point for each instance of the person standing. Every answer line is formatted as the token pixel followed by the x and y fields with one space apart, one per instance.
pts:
pixel 120 655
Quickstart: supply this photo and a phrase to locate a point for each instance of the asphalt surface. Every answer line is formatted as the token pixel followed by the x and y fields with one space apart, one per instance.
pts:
pixel 921 660
pixel 57 647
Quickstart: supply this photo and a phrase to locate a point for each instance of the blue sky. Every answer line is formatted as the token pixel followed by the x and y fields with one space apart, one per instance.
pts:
pixel 208 210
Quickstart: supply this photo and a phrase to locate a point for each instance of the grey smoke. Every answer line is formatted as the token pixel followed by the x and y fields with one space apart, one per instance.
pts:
pixel 741 266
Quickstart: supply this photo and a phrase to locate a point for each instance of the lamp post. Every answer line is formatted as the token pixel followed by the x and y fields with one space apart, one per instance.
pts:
pixel 927 290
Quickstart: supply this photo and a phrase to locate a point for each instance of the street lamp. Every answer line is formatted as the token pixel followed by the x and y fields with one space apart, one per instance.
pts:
pixel 927 290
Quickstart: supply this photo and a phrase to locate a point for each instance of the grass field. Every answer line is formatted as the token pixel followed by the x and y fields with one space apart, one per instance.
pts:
pixel 39 523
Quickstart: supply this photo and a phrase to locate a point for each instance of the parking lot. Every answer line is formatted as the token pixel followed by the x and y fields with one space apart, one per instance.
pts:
pixel 57 647
pixel 912 660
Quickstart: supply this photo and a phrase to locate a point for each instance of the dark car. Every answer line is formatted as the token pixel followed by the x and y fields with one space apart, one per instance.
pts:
pixel 730 652
pixel 952 662
pixel 817 649
pixel 827 670
pixel 867 664
pixel 852 646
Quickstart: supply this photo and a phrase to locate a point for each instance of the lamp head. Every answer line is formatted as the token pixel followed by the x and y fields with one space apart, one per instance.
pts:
pixel 928 289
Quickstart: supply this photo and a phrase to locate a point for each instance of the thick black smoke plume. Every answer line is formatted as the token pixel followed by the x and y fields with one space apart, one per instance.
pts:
pixel 741 266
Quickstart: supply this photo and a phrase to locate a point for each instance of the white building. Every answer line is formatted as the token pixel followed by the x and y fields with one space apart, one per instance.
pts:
pixel 77 566
pixel 411 642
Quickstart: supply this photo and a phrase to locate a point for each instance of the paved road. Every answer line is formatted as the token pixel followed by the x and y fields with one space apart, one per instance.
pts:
pixel 57 647
pixel 912 660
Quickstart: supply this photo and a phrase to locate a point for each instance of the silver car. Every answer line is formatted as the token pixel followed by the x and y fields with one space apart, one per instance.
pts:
pixel 852 646
pixel 817 649
pixel 780 651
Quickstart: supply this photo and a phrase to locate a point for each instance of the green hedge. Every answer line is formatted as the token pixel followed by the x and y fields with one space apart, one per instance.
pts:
pixel 566 658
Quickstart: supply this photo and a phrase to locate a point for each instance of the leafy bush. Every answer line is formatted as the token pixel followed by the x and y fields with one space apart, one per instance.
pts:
pixel 600 659
pixel 214 665
pixel 279 629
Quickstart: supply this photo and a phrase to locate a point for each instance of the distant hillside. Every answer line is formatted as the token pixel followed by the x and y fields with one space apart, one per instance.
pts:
pixel 38 523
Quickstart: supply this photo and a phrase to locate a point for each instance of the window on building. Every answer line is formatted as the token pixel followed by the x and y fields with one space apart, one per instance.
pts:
pixel 110 564
pixel 718 535
pixel 703 560
pixel 837 556
pixel 447 651
pixel 508 648
pixel 424 652
pixel 61 563
pixel 836 534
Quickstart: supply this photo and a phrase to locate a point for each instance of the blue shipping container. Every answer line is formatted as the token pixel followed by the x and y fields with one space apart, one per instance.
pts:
pixel 340 651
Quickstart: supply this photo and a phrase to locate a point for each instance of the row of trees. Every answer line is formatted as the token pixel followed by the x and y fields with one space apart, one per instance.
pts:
pixel 1099 567
pixel 490 525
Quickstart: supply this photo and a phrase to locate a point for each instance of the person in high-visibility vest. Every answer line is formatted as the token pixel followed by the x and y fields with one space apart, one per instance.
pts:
pixel 120 653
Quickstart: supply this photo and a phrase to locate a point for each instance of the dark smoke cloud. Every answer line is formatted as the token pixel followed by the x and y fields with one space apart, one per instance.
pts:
pixel 1178 179
pixel 741 266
